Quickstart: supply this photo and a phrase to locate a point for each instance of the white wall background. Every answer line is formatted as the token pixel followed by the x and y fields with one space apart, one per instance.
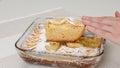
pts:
pixel 17 8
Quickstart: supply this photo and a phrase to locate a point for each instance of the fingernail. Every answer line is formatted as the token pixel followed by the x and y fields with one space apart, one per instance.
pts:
pixel 86 17
pixel 83 17
pixel 85 22
pixel 117 12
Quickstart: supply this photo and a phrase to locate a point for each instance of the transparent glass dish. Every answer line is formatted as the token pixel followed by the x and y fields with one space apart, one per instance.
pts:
pixel 60 60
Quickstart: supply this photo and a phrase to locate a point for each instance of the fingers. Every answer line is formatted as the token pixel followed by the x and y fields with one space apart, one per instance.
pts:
pixel 102 20
pixel 106 23
pixel 117 14
pixel 99 26
pixel 96 23
pixel 106 27
pixel 99 32
pixel 109 36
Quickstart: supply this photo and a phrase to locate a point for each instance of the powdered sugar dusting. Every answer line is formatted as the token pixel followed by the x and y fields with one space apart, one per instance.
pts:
pixel 81 51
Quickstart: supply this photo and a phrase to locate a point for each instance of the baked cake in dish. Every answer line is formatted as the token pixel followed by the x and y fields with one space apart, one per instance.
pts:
pixel 61 42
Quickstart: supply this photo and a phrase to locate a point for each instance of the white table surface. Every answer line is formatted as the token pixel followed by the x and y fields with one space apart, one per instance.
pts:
pixel 10 31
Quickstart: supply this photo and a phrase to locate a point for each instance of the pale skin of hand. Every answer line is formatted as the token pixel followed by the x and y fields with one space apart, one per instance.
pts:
pixel 107 27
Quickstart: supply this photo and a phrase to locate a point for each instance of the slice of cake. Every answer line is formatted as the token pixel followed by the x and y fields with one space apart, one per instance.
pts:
pixel 61 29
pixel 90 42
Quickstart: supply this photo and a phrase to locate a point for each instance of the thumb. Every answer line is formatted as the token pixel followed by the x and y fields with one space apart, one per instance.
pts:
pixel 117 14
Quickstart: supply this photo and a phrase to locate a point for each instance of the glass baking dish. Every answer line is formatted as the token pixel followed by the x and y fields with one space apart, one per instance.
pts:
pixel 60 60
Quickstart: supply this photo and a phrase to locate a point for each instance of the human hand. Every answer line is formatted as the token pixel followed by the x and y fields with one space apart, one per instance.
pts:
pixel 107 27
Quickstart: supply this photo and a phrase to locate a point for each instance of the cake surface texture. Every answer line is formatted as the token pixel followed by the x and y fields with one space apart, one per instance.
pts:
pixel 62 30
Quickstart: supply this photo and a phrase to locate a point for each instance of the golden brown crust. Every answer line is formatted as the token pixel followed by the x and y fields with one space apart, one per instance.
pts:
pixel 73 45
pixel 91 42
